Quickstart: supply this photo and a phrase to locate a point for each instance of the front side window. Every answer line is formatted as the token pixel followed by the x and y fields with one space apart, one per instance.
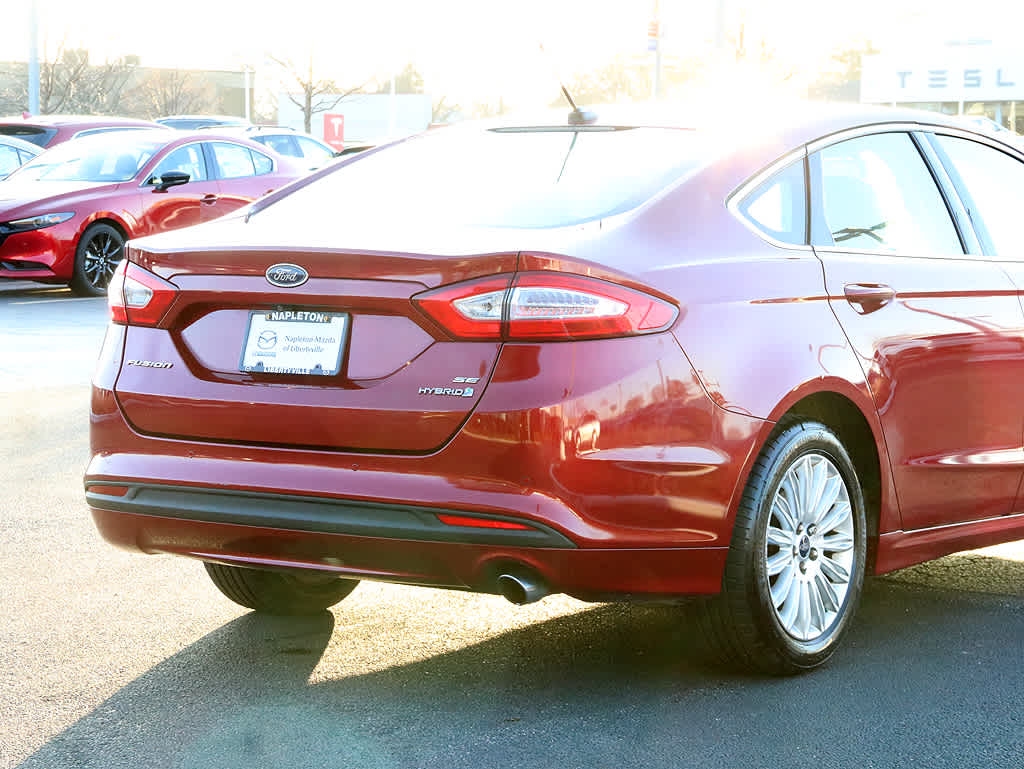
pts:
pixel 877 194
pixel 188 159
pixel 778 207
pixel 994 183
pixel 234 160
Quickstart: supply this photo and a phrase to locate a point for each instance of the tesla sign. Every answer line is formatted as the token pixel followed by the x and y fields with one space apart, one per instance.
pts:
pixel 965 75
pixel 334 131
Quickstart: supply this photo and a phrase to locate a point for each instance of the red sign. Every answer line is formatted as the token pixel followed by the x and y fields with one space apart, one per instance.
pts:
pixel 334 131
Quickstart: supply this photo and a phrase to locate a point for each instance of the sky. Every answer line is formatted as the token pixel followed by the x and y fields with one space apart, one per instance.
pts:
pixel 473 49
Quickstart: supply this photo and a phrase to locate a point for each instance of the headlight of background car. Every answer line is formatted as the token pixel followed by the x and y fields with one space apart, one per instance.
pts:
pixel 36 222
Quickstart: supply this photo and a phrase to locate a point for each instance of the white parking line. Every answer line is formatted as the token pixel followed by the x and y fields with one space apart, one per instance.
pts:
pixel 72 299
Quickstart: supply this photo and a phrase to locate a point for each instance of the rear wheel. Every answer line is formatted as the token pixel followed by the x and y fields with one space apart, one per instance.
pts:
pixel 276 592
pixel 99 251
pixel 795 567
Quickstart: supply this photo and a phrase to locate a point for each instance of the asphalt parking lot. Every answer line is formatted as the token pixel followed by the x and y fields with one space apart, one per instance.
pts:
pixel 120 660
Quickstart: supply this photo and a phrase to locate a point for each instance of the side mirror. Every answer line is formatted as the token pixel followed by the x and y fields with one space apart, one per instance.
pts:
pixel 170 179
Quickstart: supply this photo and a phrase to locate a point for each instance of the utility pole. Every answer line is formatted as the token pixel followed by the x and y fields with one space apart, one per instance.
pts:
pixel 33 60
pixel 391 110
pixel 654 41
pixel 720 26
pixel 248 88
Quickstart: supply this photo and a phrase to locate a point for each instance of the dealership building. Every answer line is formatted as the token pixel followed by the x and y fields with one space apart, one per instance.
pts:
pixel 958 79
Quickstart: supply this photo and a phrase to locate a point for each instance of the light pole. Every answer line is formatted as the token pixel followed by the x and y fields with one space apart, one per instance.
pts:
pixel 654 41
pixel 248 93
pixel 33 60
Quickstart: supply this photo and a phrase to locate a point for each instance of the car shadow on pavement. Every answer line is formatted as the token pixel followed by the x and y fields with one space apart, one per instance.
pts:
pixel 925 674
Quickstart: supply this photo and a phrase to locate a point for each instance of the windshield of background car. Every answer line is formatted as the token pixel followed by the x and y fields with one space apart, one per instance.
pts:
pixel 103 158
pixel 551 177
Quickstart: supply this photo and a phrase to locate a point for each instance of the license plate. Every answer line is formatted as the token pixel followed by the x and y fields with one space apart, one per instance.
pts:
pixel 294 342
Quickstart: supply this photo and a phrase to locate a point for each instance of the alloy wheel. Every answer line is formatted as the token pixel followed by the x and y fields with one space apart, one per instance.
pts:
pixel 100 258
pixel 809 547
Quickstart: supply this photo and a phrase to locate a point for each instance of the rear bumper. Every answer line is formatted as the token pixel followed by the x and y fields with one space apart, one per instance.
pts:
pixel 624 494
pixel 588 574
pixel 294 512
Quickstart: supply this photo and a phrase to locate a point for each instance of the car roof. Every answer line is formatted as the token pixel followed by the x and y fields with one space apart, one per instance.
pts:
pixel 233 118
pixel 74 120
pixel 798 121
pixel 763 133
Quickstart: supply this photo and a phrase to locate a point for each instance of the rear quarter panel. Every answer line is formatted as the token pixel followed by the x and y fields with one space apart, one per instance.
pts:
pixel 755 321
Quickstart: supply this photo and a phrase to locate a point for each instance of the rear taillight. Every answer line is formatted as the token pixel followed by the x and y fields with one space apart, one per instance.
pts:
pixel 551 306
pixel 137 297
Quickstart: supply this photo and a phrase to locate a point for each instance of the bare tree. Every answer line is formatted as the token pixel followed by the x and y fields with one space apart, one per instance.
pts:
pixel 409 80
pixel 441 112
pixel 843 82
pixel 314 95
pixel 620 78
pixel 109 83
pixel 61 78
pixel 172 92
pixel 68 82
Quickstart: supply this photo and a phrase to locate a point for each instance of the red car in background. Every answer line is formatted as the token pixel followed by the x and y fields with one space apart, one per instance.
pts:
pixel 604 358
pixel 51 130
pixel 65 216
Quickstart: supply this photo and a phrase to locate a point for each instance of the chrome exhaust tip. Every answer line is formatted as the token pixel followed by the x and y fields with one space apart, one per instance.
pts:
pixel 521 588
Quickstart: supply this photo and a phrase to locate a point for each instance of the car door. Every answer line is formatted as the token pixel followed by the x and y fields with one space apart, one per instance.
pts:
pixel 938 331
pixel 989 178
pixel 185 204
pixel 243 173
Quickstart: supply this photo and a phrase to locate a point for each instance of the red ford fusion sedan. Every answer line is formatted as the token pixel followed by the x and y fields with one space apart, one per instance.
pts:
pixel 64 217
pixel 609 359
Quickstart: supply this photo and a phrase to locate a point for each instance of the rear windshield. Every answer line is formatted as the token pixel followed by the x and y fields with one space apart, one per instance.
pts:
pixel 36 134
pixel 501 177
pixel 103 158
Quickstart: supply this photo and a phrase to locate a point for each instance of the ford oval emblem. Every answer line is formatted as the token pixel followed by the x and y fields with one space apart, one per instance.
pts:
pixel 286 275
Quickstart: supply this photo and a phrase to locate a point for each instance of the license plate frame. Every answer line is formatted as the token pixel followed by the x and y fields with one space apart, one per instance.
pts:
pixel 294 341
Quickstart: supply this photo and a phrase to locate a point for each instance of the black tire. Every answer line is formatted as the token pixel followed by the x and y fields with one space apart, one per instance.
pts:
pixel 743 624
pixel 99 251
pixel 278 592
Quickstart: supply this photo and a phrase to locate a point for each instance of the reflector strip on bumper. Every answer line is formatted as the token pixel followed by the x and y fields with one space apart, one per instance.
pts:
pixel 318 514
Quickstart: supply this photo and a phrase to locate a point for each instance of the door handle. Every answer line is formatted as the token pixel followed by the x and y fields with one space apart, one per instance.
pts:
pixel 209 198
pixel 868 297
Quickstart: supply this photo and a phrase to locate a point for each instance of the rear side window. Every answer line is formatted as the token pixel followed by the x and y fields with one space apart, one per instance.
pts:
pixel 877 194
pixel 778 206
pixel 282 145
pixel 262 163
pixel 532 177
pixel 233 160
pixel 236 161
pixel 315 153
pixel 9 159
pixel 994 183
